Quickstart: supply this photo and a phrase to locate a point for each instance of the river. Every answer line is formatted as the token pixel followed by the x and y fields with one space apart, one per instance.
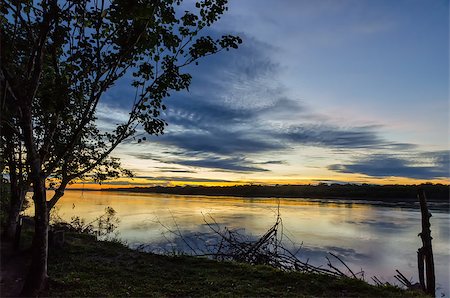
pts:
pixel 369 236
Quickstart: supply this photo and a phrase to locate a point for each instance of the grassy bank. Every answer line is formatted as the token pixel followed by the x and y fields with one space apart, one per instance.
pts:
pixel 85 267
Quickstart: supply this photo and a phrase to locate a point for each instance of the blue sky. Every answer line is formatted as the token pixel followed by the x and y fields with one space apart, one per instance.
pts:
pixel 353 91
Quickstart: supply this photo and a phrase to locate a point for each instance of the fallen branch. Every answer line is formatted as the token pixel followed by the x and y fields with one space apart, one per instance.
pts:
pixel 269 249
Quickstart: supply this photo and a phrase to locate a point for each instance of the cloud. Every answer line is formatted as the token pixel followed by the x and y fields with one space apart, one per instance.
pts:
pixel 236 107
pixel 342 138
pixel 151 179
pixel 182 179
pixel 231 164
pixel 202 160
pixel 431 165
pixel 220 142
pixel 272 162
pixel 173 170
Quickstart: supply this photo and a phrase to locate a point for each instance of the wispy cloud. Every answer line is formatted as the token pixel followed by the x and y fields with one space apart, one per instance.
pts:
pixel 183 179
pixel 203 160
pixel 430 165
pixel 173 170
pixel 237 113
pixel 230 164
pixel 150 180
pixel 342 138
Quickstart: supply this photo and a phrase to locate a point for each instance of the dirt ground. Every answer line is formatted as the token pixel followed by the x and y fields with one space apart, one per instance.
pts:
pixel 13 265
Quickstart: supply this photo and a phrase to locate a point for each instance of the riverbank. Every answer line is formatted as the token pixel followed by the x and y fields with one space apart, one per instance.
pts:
pixel 86 267
pixel 399 196
pixel 434 192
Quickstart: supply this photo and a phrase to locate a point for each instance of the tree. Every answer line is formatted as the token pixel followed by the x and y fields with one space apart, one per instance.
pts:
pixel 57 61
pixel 14 158
pixel 13 162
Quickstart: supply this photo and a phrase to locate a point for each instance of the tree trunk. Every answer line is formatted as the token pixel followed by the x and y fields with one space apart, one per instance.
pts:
pixel 17 198
pixel 17 188
pixel 37 275
pixel 13 213
pixel 59 192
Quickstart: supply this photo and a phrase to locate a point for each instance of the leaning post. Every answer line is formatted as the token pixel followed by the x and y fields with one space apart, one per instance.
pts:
pixel 425 253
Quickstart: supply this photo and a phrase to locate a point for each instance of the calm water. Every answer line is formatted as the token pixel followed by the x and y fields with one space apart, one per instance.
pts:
pixel 376 238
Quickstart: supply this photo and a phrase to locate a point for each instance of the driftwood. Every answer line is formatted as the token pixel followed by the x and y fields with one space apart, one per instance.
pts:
pixel 425 253
pixel 403 280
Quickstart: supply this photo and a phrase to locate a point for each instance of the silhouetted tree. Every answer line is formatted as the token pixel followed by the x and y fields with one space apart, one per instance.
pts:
pixel 58 59
pixel 13 156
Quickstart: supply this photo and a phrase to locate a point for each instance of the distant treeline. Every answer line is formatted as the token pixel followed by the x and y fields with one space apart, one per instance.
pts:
pixel 434 192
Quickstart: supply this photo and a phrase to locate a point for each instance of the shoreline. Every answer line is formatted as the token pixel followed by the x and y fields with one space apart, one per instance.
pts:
pixel 391 201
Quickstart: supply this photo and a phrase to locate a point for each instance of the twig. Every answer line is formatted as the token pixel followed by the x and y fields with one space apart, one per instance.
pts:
pixel 344 264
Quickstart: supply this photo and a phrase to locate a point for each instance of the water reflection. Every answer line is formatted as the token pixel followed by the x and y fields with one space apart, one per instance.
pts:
pixel 377 238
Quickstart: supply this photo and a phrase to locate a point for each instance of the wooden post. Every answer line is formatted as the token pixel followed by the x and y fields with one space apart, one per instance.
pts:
pixel 425 253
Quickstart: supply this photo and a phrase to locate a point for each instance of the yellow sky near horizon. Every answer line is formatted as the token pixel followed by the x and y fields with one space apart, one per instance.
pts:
pixel 142 182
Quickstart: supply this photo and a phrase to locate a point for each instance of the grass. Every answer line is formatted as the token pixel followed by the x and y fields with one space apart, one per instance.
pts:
pixel 86 267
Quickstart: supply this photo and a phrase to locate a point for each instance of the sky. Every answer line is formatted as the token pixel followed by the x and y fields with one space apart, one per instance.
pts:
pixel 319 91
